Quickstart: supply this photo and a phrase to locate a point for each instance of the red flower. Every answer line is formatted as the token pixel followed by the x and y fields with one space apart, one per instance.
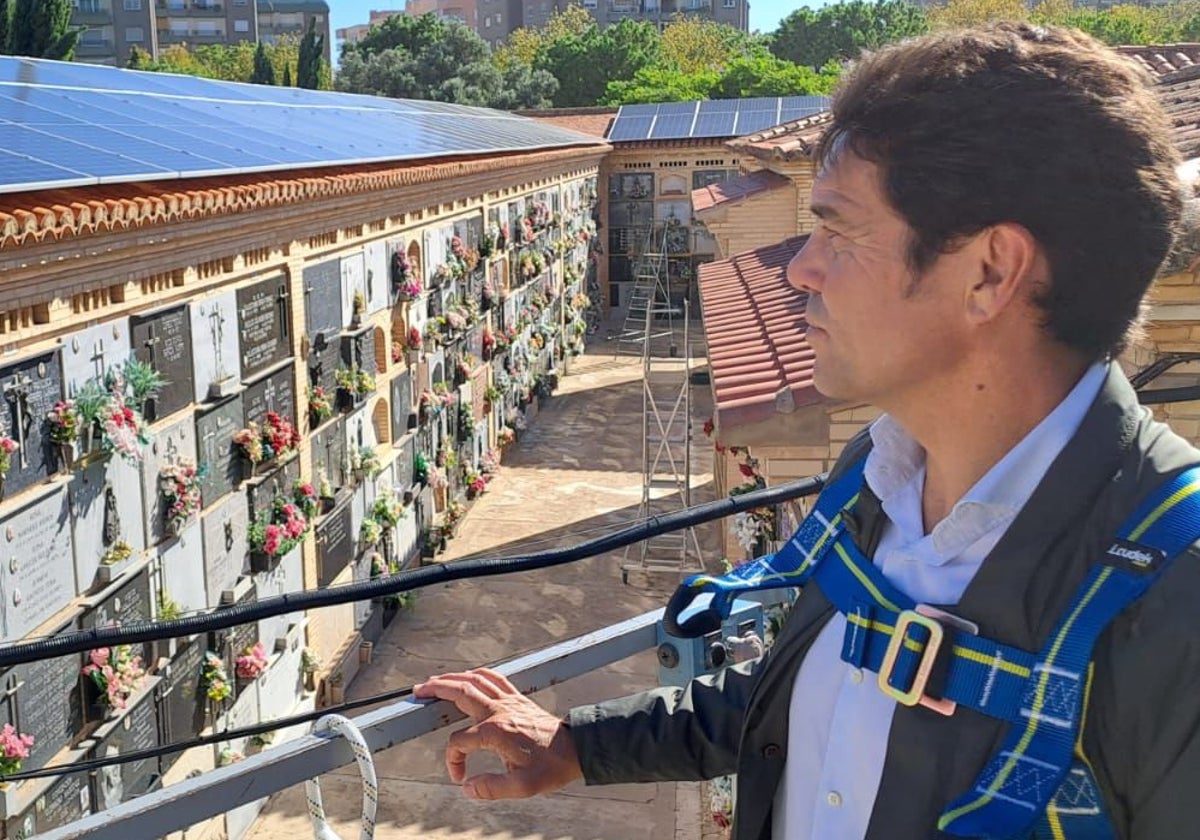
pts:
pixel 746 470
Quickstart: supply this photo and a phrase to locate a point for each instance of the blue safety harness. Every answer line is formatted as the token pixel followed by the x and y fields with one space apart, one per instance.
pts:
pixel 1039 784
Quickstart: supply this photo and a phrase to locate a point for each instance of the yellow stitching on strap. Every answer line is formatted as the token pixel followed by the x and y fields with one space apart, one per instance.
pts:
pixel 1056 829
pixel 1168 503
pixel 992 661
pixel 1039 697
pixel 864 580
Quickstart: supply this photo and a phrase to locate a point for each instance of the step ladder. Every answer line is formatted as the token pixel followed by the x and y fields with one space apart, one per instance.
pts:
pixel 666 460
pixel 649 301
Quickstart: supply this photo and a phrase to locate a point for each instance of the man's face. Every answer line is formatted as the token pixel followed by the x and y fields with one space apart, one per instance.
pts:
pixel 880 335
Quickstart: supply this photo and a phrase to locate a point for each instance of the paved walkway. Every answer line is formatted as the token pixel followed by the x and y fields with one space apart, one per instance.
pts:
pixel 577 468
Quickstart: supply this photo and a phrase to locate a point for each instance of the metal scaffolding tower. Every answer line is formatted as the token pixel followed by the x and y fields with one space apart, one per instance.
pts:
pixel 666 460
pixel 650 299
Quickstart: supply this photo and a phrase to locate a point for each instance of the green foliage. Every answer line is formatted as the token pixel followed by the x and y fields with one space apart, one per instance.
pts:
pixel 621 50
pixel 231 62
pixel 311 63
pixel 139 59
pixel 6 23
pixel 264 73
pixel 839 32
pixel 428 58
pixel 42 29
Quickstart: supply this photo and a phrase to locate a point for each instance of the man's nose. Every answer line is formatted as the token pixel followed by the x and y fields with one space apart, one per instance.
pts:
pixel 804 271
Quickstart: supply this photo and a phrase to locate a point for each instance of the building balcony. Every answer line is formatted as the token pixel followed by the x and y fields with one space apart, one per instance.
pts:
pixel 94 49
pixel 176 9
pixel 92 17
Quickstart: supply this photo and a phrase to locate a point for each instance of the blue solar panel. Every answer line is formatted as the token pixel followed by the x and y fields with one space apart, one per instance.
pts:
pixel 630 128
pixel 64 124
pixel 715 125
pixel 711 118
pixel 669 126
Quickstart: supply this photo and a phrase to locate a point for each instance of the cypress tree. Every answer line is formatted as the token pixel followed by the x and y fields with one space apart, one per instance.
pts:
pixel 287 75
pixel 312 56
pixel 264 73
pixel 42 29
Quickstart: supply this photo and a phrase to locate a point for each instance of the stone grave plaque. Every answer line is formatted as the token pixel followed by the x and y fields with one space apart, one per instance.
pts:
pixel 37 573
pixel 67 800
pixel 92 352
pixel 362 571
pixel 287 577
pixel 274 392
pixel 172 444
pixel 182 564
pixel 406 536
pixel 474 342
pixel 359 349
pixel 106 506
pixel 243 712
pixel 127 604
pixel 323 298
pixel 233 641
pixel 354 280
pixel 437 367
pixel 215 346
pixel 45 700
pixel 216 453
pixel 404 463
pixel 378 281
pixel 329 453
pixel 282 685
pixel 335 543
pixel 180 696
pixel 164 339
pixel 403 413
pixel 225 546
pixel 30 388
pixel 137 730
pixel 324 357
pixel 262 490
pixel 264 322
pixel 425 508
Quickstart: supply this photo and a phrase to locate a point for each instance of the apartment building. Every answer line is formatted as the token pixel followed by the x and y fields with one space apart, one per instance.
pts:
pixel 111 28
pixel 354 34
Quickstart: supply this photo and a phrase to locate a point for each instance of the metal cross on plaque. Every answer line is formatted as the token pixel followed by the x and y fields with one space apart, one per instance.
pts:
pixel 17 392
pixel 269 395
pixel 281 302
pixel 98 358
pixel 216 325
pixel 329 465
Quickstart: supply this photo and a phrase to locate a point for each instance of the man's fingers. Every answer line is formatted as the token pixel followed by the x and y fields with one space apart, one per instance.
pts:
pixel 496 679
pixel 518 784
pixel 486 686
pixel 464 694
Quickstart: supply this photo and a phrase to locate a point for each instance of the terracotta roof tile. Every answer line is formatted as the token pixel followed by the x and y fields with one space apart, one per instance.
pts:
pixel 737 189
pixel 592 121
pixel 1179 95
pixel 789 141
pixel 1163 59
pixel 81 211
pixel 754 323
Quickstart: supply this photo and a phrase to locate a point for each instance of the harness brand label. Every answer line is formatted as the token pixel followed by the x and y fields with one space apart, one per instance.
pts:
pixel 1142 558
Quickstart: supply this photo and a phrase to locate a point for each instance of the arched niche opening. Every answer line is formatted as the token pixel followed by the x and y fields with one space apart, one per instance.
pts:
pixel 383 351
pixel 382 422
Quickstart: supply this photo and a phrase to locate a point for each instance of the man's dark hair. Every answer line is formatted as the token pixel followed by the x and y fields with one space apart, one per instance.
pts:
pixel 1037 125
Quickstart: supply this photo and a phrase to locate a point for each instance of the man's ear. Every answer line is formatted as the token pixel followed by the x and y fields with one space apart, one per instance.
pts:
pixel 1009 261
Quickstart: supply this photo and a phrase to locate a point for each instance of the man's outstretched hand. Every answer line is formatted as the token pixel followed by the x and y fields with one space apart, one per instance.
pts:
pixel 535 746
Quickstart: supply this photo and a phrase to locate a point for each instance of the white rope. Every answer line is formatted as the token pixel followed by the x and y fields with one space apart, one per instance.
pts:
pixel 366 767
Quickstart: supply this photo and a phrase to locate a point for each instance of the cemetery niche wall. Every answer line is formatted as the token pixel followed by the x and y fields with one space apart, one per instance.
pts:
pixel 247 432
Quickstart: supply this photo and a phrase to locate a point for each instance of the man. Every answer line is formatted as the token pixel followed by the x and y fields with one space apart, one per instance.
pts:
pixel 993 206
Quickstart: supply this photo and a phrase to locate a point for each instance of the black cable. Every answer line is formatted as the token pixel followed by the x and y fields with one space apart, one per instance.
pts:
pixel 232 616
pixel 200 741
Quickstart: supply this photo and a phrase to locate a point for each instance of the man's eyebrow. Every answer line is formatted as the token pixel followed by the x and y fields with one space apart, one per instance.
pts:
pixel 827 212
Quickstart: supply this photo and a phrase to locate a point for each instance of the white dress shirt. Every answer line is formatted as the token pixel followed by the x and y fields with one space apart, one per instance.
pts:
pixel 839 720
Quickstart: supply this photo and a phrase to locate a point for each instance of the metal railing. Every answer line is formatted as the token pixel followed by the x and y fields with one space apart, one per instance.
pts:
pixel 214 793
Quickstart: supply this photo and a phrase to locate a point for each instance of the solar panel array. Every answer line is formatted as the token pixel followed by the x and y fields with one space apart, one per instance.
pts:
pixel 711 118
pixel 66 125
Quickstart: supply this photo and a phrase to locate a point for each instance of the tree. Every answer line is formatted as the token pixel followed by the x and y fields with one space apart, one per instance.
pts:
pixel 6 23
pixel 311 58
pixel 660 83
pixel 956 13
pixel 522 45
pixel 694 45
pixel 428 58
pixel 42 29
pixel 585 64
pixel 841 31
pixel 287 75
pixel 264 73
pixel 139 59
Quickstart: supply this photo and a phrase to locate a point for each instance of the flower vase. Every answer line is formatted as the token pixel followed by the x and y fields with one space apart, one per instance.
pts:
pixel 326 504
pixel 358 473
pixel 66 454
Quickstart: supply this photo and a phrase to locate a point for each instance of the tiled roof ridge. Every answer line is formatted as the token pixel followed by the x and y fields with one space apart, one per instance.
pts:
pixel 82 211
pixel 788 127
pixel 582 111
pixel 1162 59
pixel 784 141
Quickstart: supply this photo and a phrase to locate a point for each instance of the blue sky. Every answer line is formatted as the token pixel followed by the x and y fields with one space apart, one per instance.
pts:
pixel 764 14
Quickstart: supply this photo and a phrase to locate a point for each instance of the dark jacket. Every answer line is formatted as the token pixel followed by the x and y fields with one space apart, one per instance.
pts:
pixel 1142 729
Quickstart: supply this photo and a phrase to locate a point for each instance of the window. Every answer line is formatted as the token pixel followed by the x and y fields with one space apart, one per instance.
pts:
pixel 241 26
pixel 134 35
pixel 94 37
pixel 207 27
pixel 178 28
pixel 499 18
pixel 241 2
pixel 90 6
pixel 133 5
pixel 731 4
pixel 487 22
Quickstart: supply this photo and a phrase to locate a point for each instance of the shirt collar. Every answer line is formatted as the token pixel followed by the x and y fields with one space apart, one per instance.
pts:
pixel 896 464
